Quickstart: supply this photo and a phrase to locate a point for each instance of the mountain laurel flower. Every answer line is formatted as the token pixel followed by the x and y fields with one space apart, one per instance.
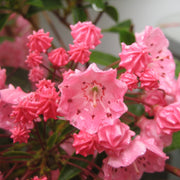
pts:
pixel 84 143
pixel 153 97
pixel 148 79
pixel 34 59
pixel 79 52
pixel 134 57
pixel 114 137
pixel 8 98
pixel 91 97
pixel 39 41
pixel 36 74
pixel 168 118
pixel 87 33
pixel 130 79
pixel 48 99
pixel 20 134
pixel 58 57
pixel 2 78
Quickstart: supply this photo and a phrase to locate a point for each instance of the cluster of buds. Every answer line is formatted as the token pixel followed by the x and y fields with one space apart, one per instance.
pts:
pixel 96 102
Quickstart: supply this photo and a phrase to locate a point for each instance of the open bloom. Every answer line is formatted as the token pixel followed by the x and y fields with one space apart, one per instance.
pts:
pixel 134 57
pixel 88 98
pixel 168 118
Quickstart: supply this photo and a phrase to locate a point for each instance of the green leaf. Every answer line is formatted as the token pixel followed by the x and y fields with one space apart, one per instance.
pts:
pixel 37 3
pixel 126 36
pixel 69 171
pixel 52 4
pixel 112 12
pixel 102 58
pixel 120 26
pixel 177 70
pixel 175 143
pixel 3 19
pixel 98 5
pixel 16 153
pixel 33 10
pixel 52 140
pixel 79 14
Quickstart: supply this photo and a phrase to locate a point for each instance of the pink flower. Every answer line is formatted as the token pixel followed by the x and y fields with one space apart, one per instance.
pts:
pixel 58 57
pixel 20 134
pixel 34 59
pixel 87 33
pixel 8 98
pixel 154 39
pixel 26 111
pixel 148 79
pixel 141 156
pixel 163 63
pixel 84 143
pixel 168 118
pixel 39 41
pixel 47 99
pixel 36 74
pixel 41 178
pixel 134 57
pixel 114 137
pixel 88 98
pixel 79 52
pixel 2 78
pixel 130 79
pixel 154 97
pixel 149 129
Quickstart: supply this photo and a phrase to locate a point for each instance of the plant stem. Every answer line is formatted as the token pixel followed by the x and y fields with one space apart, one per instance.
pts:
pixel 98 18
pixel 137 100
pixel 84 160
pixel 82 169
pixel 172 170
pixel 10 171
pixel 39 136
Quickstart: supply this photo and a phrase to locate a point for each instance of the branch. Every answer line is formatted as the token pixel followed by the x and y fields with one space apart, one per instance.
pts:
pixel 172 170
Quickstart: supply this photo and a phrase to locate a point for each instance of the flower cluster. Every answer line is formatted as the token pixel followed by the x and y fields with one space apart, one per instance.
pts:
pixel 96 102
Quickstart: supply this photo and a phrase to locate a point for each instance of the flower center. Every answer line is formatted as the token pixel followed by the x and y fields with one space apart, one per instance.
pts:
pixel 93 92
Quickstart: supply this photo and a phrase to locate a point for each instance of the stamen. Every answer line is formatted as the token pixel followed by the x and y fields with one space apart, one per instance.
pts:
pixel 94 98
pixel 136 168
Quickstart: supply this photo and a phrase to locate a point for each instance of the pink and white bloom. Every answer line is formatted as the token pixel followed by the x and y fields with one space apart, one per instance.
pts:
pixel 148 79
pixel 134 57
pixel 91 97
pixel 141 156
pixel 114 137
pixel 130 79
pixel 150 129
pixel 154 98
pixel 87 33
pixel 85 143
pixel 58 57
pixel 9 97
pixel 79 52
pixel 168 118
pixel 39 41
